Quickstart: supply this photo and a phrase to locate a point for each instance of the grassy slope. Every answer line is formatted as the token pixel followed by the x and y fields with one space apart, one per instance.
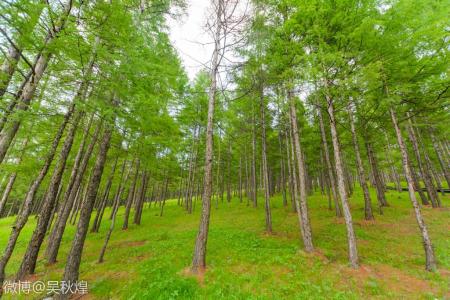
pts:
pixel 148 261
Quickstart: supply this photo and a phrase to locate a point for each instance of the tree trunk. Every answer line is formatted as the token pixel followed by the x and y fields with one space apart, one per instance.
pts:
pixel 100 210
pixel 54 239
pixel 394 171
pixel 376 175
pixel 8 68
pixel 351 238
pixel 302 207
pixel 440 156
pixel 328 164
pixel 282 170
pixel 360 167
pixel 115 208
pixel 28 264
pixel 199 258
pixel 141 198
pixel 431 190
pixel 429 253
pixel 130 199
pixel 74 258
pixel 264 164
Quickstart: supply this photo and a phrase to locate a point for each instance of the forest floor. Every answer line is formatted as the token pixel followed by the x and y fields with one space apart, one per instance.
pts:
pixel 150 261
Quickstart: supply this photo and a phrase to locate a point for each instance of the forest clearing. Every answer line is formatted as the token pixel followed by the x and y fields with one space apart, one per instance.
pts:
pixel 224 149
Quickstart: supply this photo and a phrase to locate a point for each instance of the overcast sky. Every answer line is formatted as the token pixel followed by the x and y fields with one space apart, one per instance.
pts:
pixel 189 37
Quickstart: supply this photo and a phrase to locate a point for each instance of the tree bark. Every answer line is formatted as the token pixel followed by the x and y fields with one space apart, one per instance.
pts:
pixel 130 199
pixel 264 164
pixel 329 168
pixel 379 187
pixel 351 238
pixel 302 207
pixel 141 198
pixel 424 171
pixel 429 252
pixel 440 157
pixel 74 258
pixel 199 258
pixel 28 264
pixel 368 215
pixel 100 210
pixel 54 240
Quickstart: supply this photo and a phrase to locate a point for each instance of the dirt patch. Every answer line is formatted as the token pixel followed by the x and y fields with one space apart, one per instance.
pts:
pixel 199 275
pixel 131 243
pixel 391 278
pixel 366 223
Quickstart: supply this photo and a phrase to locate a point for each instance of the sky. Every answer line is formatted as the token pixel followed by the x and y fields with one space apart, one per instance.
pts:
pixel 189 37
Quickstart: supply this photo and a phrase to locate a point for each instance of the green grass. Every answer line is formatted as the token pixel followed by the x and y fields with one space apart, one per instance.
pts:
pixel 149 261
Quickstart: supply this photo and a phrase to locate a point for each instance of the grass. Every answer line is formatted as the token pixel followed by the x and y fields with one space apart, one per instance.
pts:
pixel 149 261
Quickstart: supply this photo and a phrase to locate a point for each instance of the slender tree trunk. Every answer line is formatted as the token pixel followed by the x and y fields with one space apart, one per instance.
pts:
pixel 229 172
pixel 29 260
pixel 164 195
pixel 376 175
pixel 351 238
pixel 74 258
pixel 302 207
pixel 394 171
pixel 291 171
pixel 429 252
pixel 7 191
pixel 141 198
pixel 254 186
pixel 360 167
pixel 264 164
pixel 282 170
pixel 100 210
pixel 54 240
pixel 199 258
pixel 240 178
pixel 424 171
pixel 328 165
pixel 8 68
pixel 131 195
pixel 440 156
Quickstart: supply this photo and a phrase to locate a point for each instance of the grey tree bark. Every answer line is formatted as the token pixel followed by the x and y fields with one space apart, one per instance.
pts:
pixel 199 258
pixel 328 166
pixel 74 258
pixel 351 238
pixel 302 207
pixel 264 164
pixel 54 240
pixel 360 167
pixel 430 264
